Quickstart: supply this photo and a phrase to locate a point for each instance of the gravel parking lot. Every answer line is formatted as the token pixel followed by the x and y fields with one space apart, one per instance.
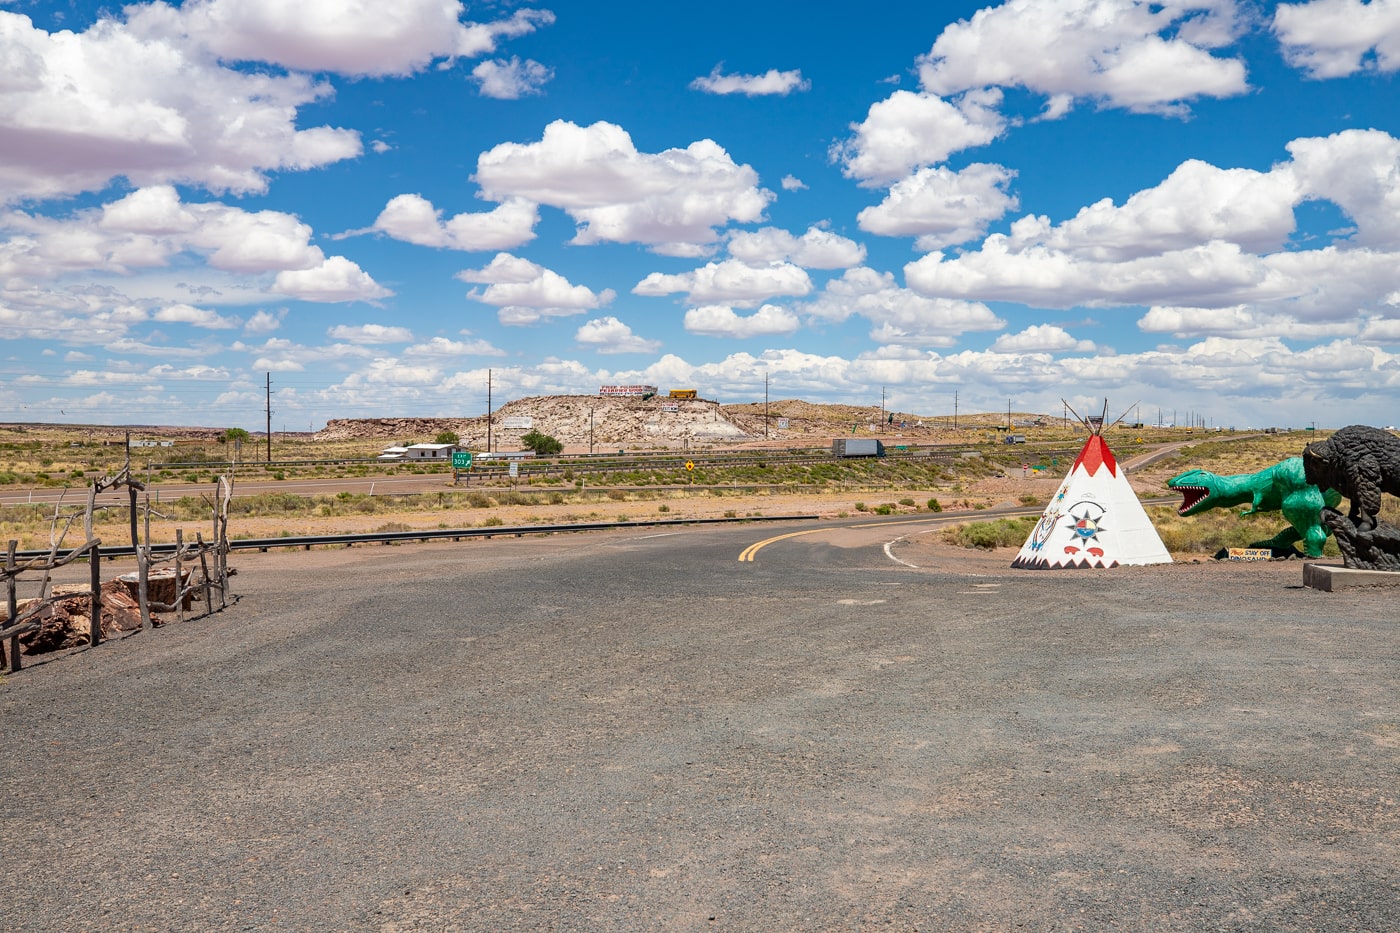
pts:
pixel 633 731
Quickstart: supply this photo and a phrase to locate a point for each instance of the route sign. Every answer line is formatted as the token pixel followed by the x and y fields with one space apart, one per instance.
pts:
pixel 461 459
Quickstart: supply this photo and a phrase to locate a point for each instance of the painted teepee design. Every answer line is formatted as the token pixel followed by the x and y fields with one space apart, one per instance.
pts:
pixel 1095 519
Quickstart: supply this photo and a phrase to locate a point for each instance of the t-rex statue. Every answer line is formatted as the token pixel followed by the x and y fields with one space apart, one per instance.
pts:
pixel 1282 487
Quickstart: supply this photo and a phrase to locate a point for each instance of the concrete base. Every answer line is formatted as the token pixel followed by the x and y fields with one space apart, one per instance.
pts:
pixel 1332 577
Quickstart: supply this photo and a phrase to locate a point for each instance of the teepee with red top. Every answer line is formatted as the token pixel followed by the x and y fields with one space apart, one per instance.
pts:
pixel 1095 519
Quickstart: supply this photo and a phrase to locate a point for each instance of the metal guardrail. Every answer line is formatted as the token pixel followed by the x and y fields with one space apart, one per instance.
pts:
pixel 429 534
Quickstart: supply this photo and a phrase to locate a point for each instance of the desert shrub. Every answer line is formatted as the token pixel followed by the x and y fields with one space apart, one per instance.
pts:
pixel 1004 532
pixel 617 495
pixel 1029 499
pixel 393 526
pixel 556 498
pixel 493 520
pixel 862 507
pixel 907 501
pixel 933 506
pixel 885 509
pixel 479 500
pixel 663 507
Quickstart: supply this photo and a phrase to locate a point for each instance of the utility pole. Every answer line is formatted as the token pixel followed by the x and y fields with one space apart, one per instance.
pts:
pixel 882 409
pixel 1008 416
pixel 488 411
pixel 955 409
pixel 269 417
pixel 765 406
pixel 590 430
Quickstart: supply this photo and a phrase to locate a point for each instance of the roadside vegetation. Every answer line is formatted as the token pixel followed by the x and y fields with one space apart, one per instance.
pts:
pixel 54 458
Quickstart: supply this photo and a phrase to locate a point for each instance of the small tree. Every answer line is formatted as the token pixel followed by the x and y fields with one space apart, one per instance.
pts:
pixel 234 434
pixel 542 444
pixel 447 437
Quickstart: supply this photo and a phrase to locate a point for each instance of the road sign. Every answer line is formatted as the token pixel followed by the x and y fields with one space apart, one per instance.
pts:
pixel 690 464
pixel 461 459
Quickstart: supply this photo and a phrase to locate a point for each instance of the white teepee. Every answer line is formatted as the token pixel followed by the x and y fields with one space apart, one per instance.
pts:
pixel 1095 519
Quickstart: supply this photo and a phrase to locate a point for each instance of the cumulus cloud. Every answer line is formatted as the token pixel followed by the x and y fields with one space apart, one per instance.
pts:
pixel 1121 53
pixel 609 335
pixel 444 347
pixel 898 315
pixel 1204 238
pixel 132 100
pixel 793 183
pixel 525 292
pixel 723 321
pixel 413 219
pixel 729 281
pixel 335 279
pixel 771 82
pixel 815 249
pixel 511 79
pixel 1042 338
pixel 1335 38
pixel 351 37
pixel 197 317
pixel 670 201
pixel 942 207
pixel 908 130
pixel 151 227
pixel 370 333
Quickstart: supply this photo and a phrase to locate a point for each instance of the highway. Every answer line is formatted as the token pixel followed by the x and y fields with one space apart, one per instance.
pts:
pixel 639 730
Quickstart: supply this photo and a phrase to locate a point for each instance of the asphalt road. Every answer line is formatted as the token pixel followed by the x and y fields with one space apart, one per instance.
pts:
pixel 639 731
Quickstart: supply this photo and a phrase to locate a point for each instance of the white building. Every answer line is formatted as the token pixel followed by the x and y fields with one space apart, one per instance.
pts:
pixel 417 452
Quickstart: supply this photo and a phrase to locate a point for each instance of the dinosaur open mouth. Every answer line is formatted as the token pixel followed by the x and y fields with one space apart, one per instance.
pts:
pixel 1190 495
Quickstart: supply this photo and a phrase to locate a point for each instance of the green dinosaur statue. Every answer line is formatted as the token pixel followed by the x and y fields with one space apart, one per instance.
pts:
pixel 1279 488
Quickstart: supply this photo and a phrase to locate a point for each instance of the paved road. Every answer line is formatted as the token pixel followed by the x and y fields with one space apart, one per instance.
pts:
pixel 639 731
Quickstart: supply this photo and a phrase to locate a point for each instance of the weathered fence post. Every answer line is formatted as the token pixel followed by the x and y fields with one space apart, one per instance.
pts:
pixel 179 577
pixel 142 590
pixel 10 584
pixel 95 568
pixel 208 583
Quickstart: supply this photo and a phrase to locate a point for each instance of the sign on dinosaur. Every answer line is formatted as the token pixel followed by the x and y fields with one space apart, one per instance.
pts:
pixel 1282 487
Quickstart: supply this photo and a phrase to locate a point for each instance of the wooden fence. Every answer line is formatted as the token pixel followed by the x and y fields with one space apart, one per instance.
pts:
pixel 196 570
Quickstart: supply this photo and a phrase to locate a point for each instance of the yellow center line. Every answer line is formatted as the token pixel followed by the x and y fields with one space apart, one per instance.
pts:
pixel 753 549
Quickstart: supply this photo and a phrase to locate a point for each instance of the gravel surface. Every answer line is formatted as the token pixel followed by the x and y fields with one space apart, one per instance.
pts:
pixel 635 731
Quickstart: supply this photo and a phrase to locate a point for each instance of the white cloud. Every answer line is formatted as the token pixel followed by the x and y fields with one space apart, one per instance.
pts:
pixel 264 322
pixel 771 82
pixel 729 281
pixel 443 347
pixel 609 335
pixel 1334 38
pixel 134 101
pixel 197 317
pixel 1123 53
pixel 1041 338
pixel 413 219
pixel 815 249
pixel 335 279
pixel 722 321
pixel 1205 238
pixel 942 207
pixel 793 183
pixel 526 292
pixel 351 37
pixel 671 200
pixel 511 79
pixel 370 333
pixel 908 130
pixel 898 315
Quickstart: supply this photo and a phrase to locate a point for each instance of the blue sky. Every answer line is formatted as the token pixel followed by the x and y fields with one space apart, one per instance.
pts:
pixel 1193 206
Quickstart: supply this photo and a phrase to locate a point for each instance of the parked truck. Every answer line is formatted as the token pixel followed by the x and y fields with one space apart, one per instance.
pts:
pixel 857 447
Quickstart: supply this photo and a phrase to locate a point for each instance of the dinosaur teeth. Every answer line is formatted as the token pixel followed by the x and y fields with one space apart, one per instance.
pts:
pixel 1190 495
